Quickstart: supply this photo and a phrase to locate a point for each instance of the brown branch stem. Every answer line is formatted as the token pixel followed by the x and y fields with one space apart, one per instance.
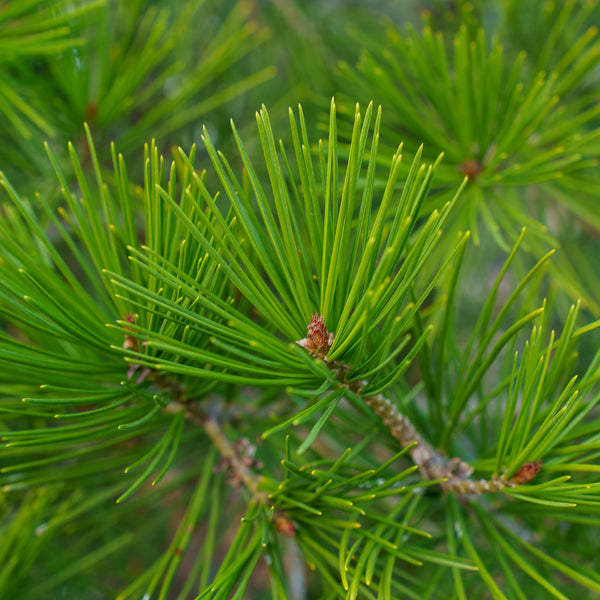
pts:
pixel 432 464
pixel 236 462
pixel 236 459
pixel 454 472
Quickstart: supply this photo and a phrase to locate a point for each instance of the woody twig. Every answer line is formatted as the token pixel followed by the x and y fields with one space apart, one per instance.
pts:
pixel 454 472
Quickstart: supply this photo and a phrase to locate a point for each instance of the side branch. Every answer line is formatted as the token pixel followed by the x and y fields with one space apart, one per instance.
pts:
pixel 455 472
pixel 237 457
pixel 431 463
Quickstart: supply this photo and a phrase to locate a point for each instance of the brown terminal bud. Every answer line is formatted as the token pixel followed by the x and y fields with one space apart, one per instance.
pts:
pixel 284 526
pixel 319 340
pixel 527 472
pixel 471 168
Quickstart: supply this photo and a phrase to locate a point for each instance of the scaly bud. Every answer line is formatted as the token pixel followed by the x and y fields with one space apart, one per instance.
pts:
pixel 527 472
pixel 319 340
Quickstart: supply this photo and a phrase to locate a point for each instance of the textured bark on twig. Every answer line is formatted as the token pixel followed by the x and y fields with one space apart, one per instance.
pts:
pixel 432 464
pixel 237 456
pixel 455 473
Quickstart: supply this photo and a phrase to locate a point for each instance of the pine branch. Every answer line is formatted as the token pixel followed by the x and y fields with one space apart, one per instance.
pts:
pixel 453 474
pixel 144 350
pixel 237 458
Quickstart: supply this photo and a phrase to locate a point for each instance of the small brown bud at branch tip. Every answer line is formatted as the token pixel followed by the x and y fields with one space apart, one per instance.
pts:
pixel 527 472
pixel 319 340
